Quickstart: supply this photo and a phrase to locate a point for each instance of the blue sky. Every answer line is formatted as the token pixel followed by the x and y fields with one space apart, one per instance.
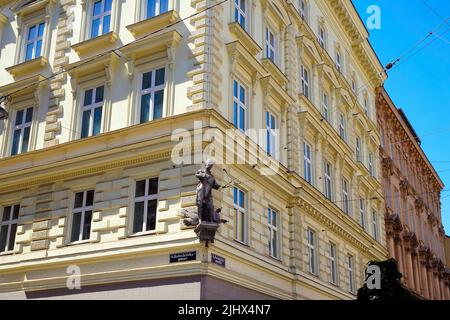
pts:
pixel 420 85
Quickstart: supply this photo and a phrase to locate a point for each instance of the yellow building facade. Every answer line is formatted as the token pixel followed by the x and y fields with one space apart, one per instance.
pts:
pixel 99 93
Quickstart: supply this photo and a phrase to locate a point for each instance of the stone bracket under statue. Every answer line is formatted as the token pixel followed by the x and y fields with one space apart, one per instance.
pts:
pixel 204 230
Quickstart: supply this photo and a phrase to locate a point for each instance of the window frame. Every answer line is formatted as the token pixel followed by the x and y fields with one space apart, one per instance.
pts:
pixel 269 47
pixel 326 112
pixel 145 198
pixel 35 40
pixel 307 161
pixel 358 149
pixel 92 108
pixel 338 61
pixel 322 36
pixel 304 78
pixel 272 135
pixel 346 207
pixel 274 235
pixel 82 210
pixel 240 213
pixel 9 226
pixel 245 14
pixel 152 90
pixel 362 213
pixel 144 9
pixel 311 245
pixel 371 165
pixel 22 126
pixel 327 179
pixel 366 105
pixel 240 105
pixel 92 18
pixel 342 127
pixel 351 273
pixel 375 225
pixel 333 263
pixel 303 10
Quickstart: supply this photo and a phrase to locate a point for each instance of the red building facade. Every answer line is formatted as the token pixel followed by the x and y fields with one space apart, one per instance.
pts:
pixel 414 232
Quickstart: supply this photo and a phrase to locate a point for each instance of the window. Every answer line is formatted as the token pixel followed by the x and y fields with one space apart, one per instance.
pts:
pixel 388 192
pixel 333 263
pixel 271 135
pixel 145 205
pixel 303 9
pixel 22 131
pixel 413 219
pixel 101 17
pixel 354 84
pixel 273 232
pixel 362 213
pixel 392 149
pixel 345 197
pixel 240 13
pixel 358 149
pixel 33 44
pixel 91 122
pixel 239 106
pixel 342 131
pixel 371 165
pixel 397 201
pixel 366 106
pixel 322 37
pixel 338 62
pixel 327 180
pixel 375 228
pixel 155 7
pixel 307 156
pixel 406 213
pixel 351 274
pixel 305 81
pixel 82 216
pixel 325 107
pixel 312 258
pixel 383 144
pixel 270 45
pixel 240 215
pixel 152 95
pixel 8 227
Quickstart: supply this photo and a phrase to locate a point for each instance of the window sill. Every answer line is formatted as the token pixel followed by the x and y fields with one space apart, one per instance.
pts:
pixel 28 68
pixel 148 26
pixel 142 234
pixel 242 243
pixel 76 243
pixel 95 45
pixel 242 36
pixel 276 259
pixel 6 253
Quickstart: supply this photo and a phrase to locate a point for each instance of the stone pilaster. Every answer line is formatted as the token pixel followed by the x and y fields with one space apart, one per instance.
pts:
pixel 57 93
pixel 207 58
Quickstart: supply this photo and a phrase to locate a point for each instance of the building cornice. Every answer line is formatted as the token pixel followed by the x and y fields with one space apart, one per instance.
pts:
pixel 383 99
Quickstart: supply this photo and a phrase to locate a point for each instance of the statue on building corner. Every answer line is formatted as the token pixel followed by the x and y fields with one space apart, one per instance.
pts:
pixel 209 218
